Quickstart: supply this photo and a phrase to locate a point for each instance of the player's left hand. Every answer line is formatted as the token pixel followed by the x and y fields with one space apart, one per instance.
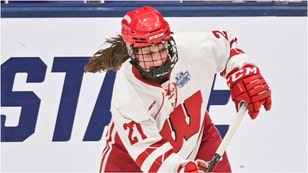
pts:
pixel 197 166
pixel 248 85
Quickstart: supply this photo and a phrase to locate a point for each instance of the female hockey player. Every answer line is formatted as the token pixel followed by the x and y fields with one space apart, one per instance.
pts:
pixel 161 91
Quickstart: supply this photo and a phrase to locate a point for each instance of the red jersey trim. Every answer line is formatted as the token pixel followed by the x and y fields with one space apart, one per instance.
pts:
pixel 157 163
pixel 140 159
pixel 233 52
pixel 108 146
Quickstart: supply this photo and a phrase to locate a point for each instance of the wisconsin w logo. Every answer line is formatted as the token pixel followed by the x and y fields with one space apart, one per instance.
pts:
pixel 177 123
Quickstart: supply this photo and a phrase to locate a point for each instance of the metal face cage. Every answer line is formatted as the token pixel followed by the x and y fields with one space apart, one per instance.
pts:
pixel 156 73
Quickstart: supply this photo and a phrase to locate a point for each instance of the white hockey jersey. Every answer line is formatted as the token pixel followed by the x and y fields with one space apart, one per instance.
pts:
pixel 160 126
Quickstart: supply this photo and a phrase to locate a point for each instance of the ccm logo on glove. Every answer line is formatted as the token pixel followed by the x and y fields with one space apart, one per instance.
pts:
pixel 248 85
pixel 238 74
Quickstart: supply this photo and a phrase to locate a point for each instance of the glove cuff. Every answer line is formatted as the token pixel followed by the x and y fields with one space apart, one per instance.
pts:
pixel 237 74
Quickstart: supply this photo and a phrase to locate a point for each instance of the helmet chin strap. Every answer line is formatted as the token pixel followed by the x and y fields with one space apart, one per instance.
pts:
pixel 155 74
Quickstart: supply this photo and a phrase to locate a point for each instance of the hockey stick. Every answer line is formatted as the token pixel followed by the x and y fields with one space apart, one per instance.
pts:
pixel 225 142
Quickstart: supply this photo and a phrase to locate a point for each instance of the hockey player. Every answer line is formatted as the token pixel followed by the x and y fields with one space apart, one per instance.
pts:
pixel 161 91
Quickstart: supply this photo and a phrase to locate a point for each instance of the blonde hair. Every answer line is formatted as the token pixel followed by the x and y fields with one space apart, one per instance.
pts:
pixel 110 58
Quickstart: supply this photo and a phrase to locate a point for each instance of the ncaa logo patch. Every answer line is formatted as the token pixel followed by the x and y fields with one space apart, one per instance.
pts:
pixel 182 78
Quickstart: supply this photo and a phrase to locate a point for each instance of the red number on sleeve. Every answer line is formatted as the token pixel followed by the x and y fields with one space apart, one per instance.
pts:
pixel 134 127
pixel 218 33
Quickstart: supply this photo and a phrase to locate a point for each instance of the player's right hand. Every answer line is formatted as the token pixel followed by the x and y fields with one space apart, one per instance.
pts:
pixel 197 166
pixel 248 85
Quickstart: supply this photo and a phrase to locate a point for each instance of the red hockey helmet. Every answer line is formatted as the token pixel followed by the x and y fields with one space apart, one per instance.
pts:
pixel 144 26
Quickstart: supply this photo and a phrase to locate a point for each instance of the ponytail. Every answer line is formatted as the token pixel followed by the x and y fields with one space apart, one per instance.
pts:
pixel 110 58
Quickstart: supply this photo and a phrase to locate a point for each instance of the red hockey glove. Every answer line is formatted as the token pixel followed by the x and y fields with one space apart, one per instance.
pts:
pixel 247 84
pixel 197 166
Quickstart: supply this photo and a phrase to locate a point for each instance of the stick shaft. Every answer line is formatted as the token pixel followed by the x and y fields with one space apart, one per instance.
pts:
pixel 232 129
pixel 225 142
